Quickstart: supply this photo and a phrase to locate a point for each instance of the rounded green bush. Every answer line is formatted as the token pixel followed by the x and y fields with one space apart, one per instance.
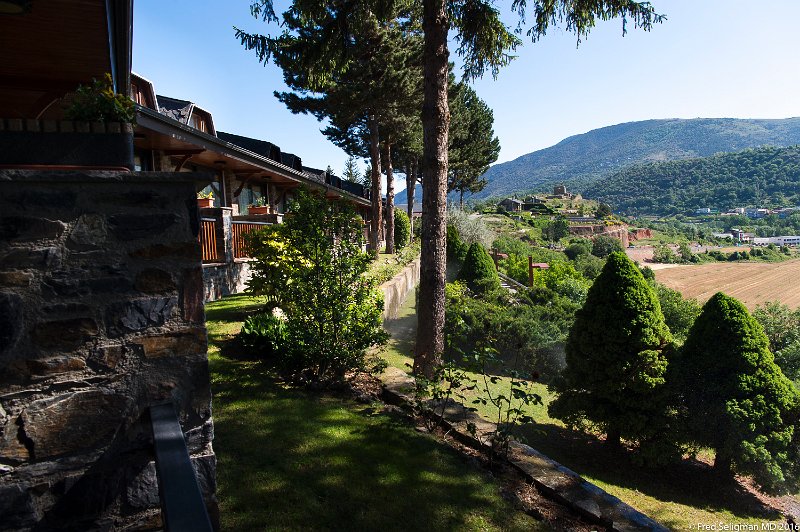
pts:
pixel 456 248
pixel 615 356
pixel 478 271
pixel 737 400
pixel 402 229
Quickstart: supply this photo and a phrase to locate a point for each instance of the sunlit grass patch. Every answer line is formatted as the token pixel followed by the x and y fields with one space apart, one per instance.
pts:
pixel 289 459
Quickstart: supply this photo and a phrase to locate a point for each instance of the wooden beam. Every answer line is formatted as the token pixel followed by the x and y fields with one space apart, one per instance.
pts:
pixel 188 151
pixel 183 161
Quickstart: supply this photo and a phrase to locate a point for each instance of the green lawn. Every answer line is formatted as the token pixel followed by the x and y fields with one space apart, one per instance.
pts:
pixel 679 496
pixel 293 460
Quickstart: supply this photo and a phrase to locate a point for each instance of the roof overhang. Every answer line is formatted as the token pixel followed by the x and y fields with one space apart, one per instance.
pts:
pixel 59 44
pixel 155 131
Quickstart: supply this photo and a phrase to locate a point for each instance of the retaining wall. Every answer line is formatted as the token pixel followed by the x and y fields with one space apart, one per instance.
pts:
pixel 397 289
pixel 101 316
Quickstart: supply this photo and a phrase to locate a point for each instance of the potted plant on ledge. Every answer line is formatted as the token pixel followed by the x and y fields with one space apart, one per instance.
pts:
pixel 205 199
pixel 97 132
pixel 260 206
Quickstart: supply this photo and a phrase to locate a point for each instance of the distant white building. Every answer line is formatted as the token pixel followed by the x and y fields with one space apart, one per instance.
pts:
pixel 793 240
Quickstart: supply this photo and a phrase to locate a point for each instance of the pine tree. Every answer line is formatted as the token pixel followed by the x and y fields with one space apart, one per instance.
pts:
pixel 473 144
pixel 615 356
pixel 351 172
pixel 478 271
pixel 735 398
pixel 356 65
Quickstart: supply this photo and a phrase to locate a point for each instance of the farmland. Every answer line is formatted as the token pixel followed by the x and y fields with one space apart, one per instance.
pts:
pixel 754 283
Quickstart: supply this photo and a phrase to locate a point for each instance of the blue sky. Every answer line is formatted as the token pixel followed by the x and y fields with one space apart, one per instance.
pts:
pixel 711 58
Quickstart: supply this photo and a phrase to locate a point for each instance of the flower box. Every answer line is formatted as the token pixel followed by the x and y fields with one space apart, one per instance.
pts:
pixel 66 143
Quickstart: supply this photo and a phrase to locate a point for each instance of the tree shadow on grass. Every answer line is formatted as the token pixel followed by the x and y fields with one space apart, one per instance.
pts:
pixel 289 459
pixel 690 482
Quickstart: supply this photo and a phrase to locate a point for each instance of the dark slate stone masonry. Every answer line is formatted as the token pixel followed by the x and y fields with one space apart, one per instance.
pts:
pixel 101 316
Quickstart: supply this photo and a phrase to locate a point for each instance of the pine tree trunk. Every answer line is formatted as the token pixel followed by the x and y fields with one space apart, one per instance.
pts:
pixel 435 126
pixel 376 223
pixel 410 196
pixel 387 163
pixel 722 465
pixel 613 438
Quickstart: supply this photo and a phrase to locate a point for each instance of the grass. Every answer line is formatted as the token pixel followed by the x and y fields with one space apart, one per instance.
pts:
pixel 289 459
pixel 678 496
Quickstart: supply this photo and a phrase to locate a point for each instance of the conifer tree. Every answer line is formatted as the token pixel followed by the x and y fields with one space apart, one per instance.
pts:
pixel 478 271
pixel 351 172
pixel 736 400
pixel 356 65
pixel 473 144
pixel 615 356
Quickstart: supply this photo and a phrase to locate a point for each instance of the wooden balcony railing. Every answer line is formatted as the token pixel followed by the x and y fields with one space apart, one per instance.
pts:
pixel 239 230
pixel 208 240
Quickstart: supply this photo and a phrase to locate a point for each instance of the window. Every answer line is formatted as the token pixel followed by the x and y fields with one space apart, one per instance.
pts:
pixel 142 160
pixel 197 122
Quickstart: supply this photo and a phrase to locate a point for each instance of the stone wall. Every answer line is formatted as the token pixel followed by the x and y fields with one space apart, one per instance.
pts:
pixel 397 289
pixel 101 315
pixel 220 280
pixel 620 232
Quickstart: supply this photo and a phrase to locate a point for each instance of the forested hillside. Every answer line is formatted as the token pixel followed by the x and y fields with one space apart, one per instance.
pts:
pixel 582 159
pixel 760 177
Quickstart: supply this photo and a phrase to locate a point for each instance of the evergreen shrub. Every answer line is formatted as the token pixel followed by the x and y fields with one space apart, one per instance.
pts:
pixel 478 271
pixel 402 229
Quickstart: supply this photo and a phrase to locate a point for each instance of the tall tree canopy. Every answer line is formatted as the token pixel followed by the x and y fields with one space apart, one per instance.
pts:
pixel 485 43
pixel 359 69
pixel 473 144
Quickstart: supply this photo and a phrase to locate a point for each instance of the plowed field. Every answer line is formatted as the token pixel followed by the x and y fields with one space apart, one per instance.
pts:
pixel 753 283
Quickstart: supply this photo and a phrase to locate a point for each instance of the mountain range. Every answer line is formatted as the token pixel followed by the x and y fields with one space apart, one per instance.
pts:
pixel 582 159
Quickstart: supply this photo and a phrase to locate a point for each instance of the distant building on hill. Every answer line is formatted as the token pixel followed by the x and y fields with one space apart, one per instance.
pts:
pixel 512 204
pixel 560 192
pixel 740 236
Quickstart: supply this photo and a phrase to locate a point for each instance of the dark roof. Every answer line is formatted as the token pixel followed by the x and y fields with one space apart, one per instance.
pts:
pixel 174 108
pixel 513 200
pixel 261 147
pixel 292 160
pixel 316 174
pixel 316 171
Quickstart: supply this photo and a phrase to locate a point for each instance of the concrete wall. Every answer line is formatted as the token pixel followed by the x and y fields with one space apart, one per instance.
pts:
pixel 397 289
pixel 101 315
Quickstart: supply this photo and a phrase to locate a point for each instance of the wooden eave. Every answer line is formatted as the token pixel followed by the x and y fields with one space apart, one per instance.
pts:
pixel 155 131
pixel 59 45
